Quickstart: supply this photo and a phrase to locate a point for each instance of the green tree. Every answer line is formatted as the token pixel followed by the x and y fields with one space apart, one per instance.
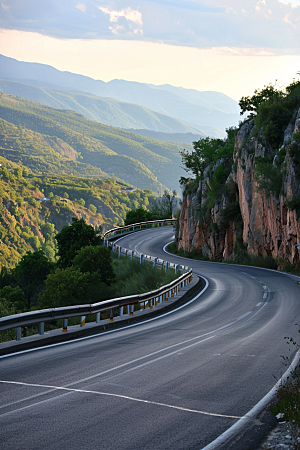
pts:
pixel 65 287
pixel 97 260
pixel 31 272
pixel 197 160
pixel 269 93
pixel 72 238
pixel 93 208
pixel 14 299
pixel 137 215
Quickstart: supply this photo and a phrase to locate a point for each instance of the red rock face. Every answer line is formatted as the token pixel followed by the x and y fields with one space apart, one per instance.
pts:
pixel 269 227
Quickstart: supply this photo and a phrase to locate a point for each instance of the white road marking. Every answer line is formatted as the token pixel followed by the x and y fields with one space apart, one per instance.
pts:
pixel 125 397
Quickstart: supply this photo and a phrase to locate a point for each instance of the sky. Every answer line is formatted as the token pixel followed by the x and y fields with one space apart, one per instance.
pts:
pixel 228 46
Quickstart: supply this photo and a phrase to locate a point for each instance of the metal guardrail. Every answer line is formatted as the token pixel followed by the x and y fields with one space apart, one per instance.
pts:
pixel 113 305
pixel 136 226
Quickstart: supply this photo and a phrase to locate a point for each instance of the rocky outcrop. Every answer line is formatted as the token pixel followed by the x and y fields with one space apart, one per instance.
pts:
pixel 269 224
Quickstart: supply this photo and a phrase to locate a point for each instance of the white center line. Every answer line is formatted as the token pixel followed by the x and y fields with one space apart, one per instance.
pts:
pixel 125 397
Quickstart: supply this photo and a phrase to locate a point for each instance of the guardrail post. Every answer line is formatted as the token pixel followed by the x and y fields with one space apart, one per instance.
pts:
pixel 151 304
pixel 166 268
pixel 176 268
pixel 104 242
pixel 131 310
pixel 41 328
pixel 65 325
pixel 121 310
pixel 155 261
pixel 97 317
pixel 119 252
pixel 18 331
pixel 111 315
pixel 141 258
pixel 132 252
pixel 82 321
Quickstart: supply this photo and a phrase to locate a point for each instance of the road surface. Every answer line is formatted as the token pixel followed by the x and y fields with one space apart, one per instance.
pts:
pixel 176 382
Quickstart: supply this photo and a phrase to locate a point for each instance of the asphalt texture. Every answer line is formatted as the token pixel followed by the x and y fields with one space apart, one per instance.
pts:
pixel 176 382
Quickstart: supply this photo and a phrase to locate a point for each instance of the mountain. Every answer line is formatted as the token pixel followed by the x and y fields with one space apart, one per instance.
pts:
pixel 169 137
pixel 104 110
pixel 49 140
pixel 198 109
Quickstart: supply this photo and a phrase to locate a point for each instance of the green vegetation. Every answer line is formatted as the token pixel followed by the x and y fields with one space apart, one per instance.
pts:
pixel 34 208
pixel 72 238
pixel 86 272
pixel 63 142
pixel 287 402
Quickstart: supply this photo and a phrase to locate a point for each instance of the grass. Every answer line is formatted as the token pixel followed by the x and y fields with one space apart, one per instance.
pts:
pixel 287 402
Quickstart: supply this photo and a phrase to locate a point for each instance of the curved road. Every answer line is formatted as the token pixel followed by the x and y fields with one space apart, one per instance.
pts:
pixel 176 382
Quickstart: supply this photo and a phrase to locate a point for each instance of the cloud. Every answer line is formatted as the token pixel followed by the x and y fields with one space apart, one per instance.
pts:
pixel 133 22
pixel 129 14
pixel 4 6
pixel 261 24
pixel 81 6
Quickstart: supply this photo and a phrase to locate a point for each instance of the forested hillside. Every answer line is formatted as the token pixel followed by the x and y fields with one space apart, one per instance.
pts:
pixel 33 208
pixel 56 141
pixel 108 111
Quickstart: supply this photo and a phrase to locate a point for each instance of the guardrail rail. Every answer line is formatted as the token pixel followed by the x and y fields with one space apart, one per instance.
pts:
pixel 114 306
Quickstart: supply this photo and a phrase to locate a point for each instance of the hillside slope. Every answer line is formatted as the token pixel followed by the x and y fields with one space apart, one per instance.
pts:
pixel 33 208
pixel 104 110
pixel 85 146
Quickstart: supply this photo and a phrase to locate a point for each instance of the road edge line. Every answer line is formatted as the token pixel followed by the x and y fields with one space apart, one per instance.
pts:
pixel 255 411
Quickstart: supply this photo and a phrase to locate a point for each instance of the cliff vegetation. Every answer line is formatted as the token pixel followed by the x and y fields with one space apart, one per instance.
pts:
pixel 243 202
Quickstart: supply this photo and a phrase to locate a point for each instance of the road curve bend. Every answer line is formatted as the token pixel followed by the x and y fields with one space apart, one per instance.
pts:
pixel 177 382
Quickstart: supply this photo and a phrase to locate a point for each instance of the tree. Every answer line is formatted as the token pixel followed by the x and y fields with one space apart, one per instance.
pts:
pixel 64 287
pixel 267 94
pixel 97 260
pixel 72 238
pixel 13 298
pixel 168 203
pixel 202 155
pixel 31 272
pixel 137 215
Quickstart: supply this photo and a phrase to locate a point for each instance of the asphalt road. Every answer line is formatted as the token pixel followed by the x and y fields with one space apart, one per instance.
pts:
pixel 176 382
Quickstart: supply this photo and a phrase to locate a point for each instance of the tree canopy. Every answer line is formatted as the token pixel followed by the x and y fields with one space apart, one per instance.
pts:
pixel 72 238
pixel 202 155
pixel 97 260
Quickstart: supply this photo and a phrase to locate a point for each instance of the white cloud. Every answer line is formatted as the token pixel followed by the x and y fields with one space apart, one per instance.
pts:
pixel 132 15
pixel 292 3
pixel 259 4
pixel 81 6
pixel 4 6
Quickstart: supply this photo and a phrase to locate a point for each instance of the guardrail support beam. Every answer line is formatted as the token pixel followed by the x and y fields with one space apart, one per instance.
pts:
pixel 65 325
pixel 41 328
pixel 18 331
pixel 97 317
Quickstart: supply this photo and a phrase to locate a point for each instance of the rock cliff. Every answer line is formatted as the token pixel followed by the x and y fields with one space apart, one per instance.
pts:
pixel 258 212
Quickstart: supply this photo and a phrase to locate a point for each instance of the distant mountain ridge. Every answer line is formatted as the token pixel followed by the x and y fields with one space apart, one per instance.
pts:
pixel 55 141
pixel 104 110
pixel 198 109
